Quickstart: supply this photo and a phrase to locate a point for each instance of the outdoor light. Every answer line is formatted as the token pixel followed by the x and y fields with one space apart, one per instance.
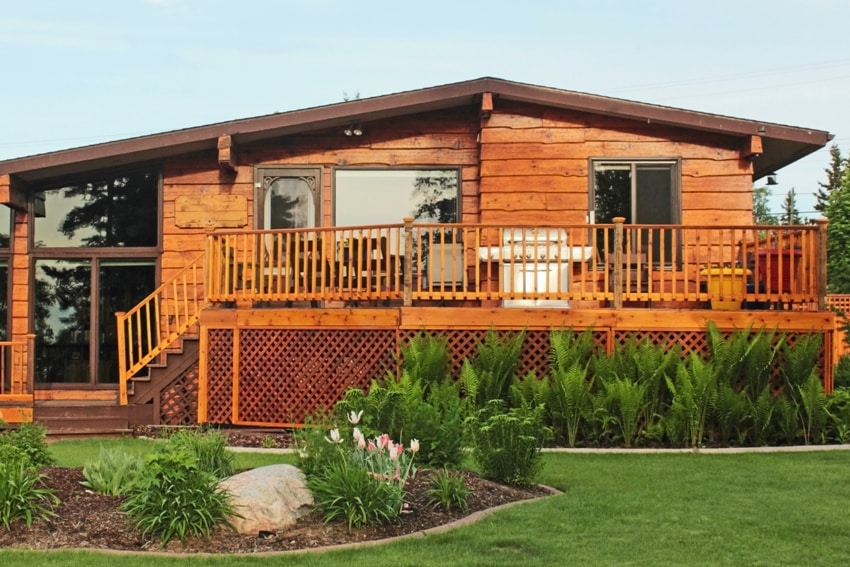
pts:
pixel 771 179
pixel 353 129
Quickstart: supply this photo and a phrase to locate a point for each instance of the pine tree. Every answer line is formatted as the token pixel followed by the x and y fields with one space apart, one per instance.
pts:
pixel 834 175
pixel 790 212
pixel 838 237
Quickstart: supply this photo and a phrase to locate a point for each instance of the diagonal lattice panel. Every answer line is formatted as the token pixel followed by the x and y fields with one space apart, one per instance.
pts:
pixel 220 376
pixel 286 374
pixel 178 402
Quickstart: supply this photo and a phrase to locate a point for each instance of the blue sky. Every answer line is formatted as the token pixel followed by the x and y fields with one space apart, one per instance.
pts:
pixel 86 71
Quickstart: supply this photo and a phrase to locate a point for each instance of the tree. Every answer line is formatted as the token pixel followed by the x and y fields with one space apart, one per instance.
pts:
pixel 761 209
pixel 790 212
pixel 834 176
pixel 838 237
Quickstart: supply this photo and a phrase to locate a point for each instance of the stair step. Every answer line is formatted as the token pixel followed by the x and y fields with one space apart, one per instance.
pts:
pixel 85 425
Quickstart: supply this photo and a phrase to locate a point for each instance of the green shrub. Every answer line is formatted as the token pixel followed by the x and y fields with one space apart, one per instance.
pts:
pixel 841 373
pixel 11 455
pixel 210 449
pixel 490 373
pixel 838 410
pixel 113 472
pixel 175 498
pixel 365 482
pixel 448 491
pixel 23 496
pixel 345 491
pixel 506 444
pixel 32 439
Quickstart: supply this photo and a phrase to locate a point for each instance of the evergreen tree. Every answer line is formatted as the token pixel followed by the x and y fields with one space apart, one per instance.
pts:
pixel 834 175
pixel 790 212
pixel 838 237
pixel 761 209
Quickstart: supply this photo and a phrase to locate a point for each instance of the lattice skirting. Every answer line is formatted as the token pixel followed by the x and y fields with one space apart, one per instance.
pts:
pixel 284 375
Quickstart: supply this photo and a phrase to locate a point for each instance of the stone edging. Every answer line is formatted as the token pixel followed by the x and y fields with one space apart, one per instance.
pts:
pixel 466 520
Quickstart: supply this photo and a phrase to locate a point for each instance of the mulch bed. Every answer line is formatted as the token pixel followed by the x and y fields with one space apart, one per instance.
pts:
pixel 88 520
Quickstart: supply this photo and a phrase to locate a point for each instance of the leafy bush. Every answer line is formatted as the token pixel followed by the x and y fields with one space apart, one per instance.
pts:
pixel 506 444
pixel 113 472
pixel 345 491
pixel 210 449
pixel 32 439
pixel 176 497
pixel 448 491
pixel 841 373
pixel 365 482
pixel 488 376
pixel 13 456
pixel 23 496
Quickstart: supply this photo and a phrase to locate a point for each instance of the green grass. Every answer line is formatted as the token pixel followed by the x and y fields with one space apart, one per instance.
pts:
pixel 617 509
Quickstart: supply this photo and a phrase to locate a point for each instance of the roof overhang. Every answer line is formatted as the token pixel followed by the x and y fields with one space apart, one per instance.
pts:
pixel 782 145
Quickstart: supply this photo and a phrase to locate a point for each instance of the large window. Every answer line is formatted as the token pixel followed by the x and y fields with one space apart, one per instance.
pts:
pixel 95 249
pixel 385 196
pixel 118 210
pixel 643 192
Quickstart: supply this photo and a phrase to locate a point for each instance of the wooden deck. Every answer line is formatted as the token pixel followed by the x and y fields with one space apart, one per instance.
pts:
pixel 274 366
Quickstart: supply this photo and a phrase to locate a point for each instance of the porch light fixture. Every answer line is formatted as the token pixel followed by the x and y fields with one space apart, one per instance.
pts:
pixel 771 179
pixel 353 129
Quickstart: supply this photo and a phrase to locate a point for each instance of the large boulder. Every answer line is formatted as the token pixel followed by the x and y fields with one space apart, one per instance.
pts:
pixel 268 499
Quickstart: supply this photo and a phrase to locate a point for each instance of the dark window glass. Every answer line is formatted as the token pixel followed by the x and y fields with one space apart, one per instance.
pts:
pixel 642 193
pixel 5 226
pixel 62 320
pixel 122 285
pixel 117 211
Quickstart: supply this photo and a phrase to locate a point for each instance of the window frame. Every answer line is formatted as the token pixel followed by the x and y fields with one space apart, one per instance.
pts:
pixel 412 168
pixel 673 257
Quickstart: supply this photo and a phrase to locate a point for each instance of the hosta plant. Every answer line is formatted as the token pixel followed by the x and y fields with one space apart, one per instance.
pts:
pixel 113 472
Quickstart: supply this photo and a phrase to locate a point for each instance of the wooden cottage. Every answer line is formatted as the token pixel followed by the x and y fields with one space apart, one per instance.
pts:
pixel 260 267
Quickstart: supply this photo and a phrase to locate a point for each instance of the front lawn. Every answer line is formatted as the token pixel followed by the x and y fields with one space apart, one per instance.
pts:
pixel 653 509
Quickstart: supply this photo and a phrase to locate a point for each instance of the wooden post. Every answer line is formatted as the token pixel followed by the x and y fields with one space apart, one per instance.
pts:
pixel 821 262
pixel 617 276
pixel 407 300
pixel 122 359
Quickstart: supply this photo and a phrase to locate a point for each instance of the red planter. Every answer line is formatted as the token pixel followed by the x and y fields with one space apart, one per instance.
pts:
pixel 778 268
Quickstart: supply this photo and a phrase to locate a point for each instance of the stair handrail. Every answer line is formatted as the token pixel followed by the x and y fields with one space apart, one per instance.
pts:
pixel 147 329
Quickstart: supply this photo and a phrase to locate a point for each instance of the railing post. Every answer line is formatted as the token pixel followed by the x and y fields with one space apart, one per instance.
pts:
pixel 122 358
pixel 821 262
pixel 407 297
pixel 617 276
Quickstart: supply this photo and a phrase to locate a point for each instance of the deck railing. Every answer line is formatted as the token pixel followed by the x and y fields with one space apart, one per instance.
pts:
pixel 618 264
pixel 157 321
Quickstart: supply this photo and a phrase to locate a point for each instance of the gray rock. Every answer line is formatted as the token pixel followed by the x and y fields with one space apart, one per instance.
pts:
pixel 268 499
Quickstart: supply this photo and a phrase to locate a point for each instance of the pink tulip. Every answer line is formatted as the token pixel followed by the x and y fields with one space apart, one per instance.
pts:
pixel 384 441
pixel 371 447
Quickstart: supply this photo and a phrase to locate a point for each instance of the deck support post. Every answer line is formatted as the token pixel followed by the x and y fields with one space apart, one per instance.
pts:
pixel 821 262
pixel 407 297
pixel 617 276
pixel 122 358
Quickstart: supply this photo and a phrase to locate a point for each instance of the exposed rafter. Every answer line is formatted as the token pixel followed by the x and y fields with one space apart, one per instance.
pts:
pixel 226 154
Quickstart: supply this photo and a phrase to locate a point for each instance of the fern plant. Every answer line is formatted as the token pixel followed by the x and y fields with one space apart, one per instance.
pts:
pixel 625 401
pixel 488 376
pixel 760 411
pixel 570 402
pixel 568 348
pixel 694 391
pixel 730 414
pixel 813 402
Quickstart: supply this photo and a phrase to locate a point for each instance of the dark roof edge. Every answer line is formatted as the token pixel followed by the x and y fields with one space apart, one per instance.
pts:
pixel 204 137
